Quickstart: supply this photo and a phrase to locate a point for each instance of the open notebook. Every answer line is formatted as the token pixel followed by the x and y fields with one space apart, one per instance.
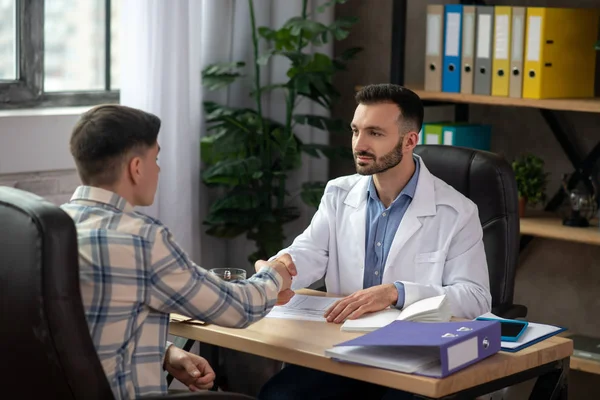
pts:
pixel 432 309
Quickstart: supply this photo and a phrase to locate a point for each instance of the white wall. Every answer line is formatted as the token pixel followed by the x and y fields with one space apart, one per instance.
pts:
pixel 34 151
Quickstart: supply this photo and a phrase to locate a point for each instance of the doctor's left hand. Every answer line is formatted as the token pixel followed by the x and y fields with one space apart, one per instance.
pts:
pixel 373 299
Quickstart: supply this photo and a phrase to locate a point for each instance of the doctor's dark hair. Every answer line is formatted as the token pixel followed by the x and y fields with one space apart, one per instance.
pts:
pixel 105 135
pixel 409 103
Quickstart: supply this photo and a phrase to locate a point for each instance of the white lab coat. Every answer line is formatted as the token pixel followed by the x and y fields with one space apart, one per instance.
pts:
pixel 437 249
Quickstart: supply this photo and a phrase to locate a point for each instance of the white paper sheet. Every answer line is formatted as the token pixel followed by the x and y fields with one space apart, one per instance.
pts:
pixel 303 307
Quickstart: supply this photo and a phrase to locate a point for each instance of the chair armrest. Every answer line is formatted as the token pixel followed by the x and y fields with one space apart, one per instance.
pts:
pixel 203 395
pixel 510 311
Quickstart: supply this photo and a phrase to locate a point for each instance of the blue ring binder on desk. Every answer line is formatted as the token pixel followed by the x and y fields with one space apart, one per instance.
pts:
pixel 422 348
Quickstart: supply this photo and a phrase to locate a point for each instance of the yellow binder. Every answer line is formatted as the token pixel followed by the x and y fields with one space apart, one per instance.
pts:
pixel 560 59
pixel 501 59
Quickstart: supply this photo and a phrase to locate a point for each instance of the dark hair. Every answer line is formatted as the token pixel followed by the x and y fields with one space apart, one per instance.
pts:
pixel 409 103
pixel 104 135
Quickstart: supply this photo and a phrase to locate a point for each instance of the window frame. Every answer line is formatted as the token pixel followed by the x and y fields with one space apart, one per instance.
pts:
pixel 27 91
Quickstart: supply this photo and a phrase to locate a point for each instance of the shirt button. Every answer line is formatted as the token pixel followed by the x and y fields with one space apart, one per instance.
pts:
pixel 378 243
pixel 376 272
pixel 384 214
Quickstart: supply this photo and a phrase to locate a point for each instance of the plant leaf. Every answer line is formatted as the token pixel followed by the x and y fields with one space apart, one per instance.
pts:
pixel 321 122
pixel 231 172
pixel 226 231
pixel 297 25
pixel 328 4
pixel 270 88
pixel 226 143
pixel 267 33
pixel 236 200
pixel 312 192
pixel 349 53
pixel 218 75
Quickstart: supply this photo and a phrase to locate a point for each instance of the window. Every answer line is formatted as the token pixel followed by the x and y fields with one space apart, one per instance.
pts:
pixel 58 52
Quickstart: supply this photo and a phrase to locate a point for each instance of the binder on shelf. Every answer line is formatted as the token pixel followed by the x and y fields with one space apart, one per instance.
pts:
pixel 432 132
pixel 434 48
pixel 501 58
pixel 434 37
pixel 468 49
pixel 473 136
pixel 560 59
pixel 422 348
pixel 482 83
pixel 517 39
pixel 452 48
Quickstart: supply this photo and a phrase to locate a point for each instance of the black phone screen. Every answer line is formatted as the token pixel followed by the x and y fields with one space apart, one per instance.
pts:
pixel 510 329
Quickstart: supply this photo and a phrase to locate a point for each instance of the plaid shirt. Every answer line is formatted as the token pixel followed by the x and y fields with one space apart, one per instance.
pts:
pixel 133 275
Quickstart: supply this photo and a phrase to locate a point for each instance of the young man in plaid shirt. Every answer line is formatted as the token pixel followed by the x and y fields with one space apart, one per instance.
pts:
pixel 133 273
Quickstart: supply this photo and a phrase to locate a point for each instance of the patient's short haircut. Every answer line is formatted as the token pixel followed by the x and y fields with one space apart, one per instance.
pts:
pixel 105 137
pixel 409 103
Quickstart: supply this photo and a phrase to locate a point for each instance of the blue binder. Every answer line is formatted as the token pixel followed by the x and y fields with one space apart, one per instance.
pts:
pixel 453 14
pixel 422 348
pixel 473 136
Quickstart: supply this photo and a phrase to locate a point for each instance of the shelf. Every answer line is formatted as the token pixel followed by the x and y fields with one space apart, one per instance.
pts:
pixel 585 365
pixel 552 228
pixel 583 105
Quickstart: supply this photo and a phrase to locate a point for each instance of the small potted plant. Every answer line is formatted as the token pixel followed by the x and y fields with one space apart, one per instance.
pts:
pixel 531 181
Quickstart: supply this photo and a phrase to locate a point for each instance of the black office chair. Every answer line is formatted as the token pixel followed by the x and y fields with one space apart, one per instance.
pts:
pixel 45 346
pixel 488 180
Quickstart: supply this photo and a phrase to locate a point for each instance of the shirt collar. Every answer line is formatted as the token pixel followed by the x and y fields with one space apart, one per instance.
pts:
pixel 409 190
pixel 91 194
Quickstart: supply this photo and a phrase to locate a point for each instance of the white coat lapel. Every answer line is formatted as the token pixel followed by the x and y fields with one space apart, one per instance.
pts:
pixel 422 204
pixel 357 217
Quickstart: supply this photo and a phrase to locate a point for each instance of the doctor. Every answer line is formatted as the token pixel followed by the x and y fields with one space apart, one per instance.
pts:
pixel 390 235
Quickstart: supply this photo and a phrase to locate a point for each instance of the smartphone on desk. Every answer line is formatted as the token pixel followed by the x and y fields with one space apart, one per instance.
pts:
pixel 510 329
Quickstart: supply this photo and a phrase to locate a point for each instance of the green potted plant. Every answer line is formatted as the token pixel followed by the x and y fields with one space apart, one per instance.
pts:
pixel 531 181
pixel 249 156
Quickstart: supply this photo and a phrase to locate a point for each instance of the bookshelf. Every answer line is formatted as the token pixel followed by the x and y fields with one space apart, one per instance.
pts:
pixel 550 227
pixel 547 225
pixel 582 105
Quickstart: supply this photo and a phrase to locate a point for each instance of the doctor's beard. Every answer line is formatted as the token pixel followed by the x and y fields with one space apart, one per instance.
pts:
pixel 382 164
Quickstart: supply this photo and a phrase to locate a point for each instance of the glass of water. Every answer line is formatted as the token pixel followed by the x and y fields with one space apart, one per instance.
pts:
pixel 229 274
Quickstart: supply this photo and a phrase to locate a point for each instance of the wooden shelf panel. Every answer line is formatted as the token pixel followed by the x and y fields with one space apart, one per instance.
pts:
pixel 585 365
pixel 552 228
pixel 583 105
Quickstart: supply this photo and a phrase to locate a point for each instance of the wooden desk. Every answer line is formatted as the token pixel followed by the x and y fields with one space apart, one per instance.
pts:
pixel 304 343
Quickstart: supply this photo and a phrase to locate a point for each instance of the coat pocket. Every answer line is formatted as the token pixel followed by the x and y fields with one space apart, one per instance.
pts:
pixel 429 267
pixel 431 257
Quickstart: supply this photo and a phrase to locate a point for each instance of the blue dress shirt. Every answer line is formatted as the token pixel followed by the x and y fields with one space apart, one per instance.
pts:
pixel 382 224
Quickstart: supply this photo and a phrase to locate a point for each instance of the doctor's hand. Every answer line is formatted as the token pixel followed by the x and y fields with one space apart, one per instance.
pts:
pixel 190 369
pixel 287 269
pixel 364 301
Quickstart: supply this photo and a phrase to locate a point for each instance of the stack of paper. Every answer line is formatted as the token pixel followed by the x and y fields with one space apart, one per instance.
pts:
pixel 433 309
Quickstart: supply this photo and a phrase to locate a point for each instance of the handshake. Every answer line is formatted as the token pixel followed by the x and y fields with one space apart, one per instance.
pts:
pixel 284 267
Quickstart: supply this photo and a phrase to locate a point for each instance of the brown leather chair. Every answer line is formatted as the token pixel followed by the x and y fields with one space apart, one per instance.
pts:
pixel 488 180
pixel 46 348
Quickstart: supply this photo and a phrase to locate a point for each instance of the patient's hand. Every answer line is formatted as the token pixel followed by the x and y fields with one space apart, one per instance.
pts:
pixel 373 299
pixel 287 269
pixel 190 369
